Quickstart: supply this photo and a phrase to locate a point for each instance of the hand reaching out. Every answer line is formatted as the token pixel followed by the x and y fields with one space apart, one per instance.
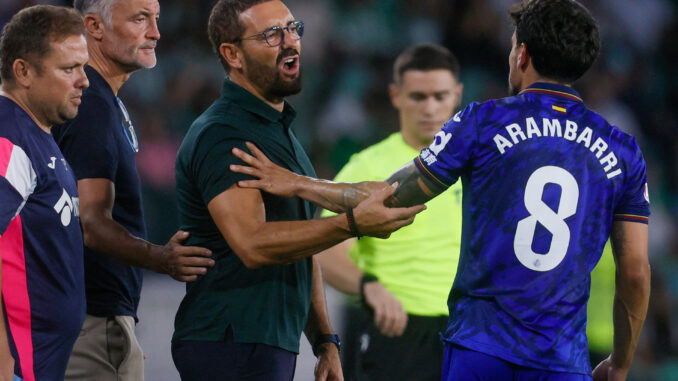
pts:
pixel 375 219
pixel 271 177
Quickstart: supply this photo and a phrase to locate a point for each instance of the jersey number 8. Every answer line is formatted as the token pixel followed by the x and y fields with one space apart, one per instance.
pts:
pixel 540 212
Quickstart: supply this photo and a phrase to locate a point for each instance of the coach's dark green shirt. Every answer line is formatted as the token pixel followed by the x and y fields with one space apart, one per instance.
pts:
pixel 269 305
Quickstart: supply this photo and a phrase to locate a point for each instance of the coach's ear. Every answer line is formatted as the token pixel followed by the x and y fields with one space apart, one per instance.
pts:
pixel 23 72
pixel 231 54
pixel 94 25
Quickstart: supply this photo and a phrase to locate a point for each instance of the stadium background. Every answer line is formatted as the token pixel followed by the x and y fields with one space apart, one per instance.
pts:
pixel 348 49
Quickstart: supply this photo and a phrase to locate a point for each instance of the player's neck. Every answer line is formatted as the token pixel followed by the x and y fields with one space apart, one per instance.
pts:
pixel 239 79
pixel 531 77
pixel 21 99
pixel 114 75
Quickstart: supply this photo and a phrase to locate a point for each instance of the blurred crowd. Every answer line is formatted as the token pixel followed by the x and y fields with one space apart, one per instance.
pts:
pixel 348 49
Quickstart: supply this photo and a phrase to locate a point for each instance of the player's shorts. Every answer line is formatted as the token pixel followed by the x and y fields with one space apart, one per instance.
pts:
pixel 468 365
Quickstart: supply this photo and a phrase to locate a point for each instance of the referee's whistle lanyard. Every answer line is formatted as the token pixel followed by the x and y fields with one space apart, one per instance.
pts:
pixel 127 126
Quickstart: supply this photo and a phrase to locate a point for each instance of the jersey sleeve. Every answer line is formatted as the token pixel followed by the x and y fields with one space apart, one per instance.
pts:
pixel 88 141
pixel 634 204
pixel 17 181
pixel 452 149
pixel 211 163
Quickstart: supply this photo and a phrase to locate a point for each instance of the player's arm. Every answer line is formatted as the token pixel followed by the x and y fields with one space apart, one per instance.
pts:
pixel 413 188
pixel 342 274
pixel 632 288
pixel 105 235
pixel 632 294
pixel 6 359
pixel 240 215
pixel 318 323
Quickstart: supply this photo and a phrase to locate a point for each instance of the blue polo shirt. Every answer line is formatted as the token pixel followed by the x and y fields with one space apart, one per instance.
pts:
pixel 96 146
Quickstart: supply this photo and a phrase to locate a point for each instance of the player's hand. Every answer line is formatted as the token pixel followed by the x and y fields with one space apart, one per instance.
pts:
pixel 183 263
pixel 389 316
pixel 328 367
pixel 607 371
pixel 272 178
pixel 374 219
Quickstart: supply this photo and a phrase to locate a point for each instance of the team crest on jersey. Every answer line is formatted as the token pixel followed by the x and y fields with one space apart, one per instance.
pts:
pixel 646 194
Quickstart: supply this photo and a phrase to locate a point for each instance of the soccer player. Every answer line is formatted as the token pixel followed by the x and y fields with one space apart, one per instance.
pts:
pixel 42 56
pixel 100 145
pixel 546 181
pixel 405 279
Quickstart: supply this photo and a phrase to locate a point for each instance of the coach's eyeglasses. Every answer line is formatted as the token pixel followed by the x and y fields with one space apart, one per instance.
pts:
pixel 275 35
pixel 127 126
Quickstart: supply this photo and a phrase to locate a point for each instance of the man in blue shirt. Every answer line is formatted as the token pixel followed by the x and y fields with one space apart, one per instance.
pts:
pixel 42 55
pixel 546 182
pixel 100 145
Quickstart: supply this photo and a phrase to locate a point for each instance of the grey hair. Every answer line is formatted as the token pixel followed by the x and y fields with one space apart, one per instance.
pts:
pixel 102 8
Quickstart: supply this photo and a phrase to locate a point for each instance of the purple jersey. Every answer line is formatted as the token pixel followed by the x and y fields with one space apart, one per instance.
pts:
pixel 543 178
pixel 41 247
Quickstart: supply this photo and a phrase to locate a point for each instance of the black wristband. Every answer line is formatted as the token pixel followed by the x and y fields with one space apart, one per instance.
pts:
pixel 352 226
pixel 366 278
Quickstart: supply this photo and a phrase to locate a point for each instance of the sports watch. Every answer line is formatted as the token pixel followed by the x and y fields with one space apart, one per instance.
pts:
pixel 328 338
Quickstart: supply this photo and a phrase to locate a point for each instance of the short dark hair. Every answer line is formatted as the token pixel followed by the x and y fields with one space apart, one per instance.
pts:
pixel 224 24
pixel 425 57
pixel 561 37
pixel 29 33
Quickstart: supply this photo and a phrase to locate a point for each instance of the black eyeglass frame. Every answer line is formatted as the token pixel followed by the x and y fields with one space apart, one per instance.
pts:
pixel 299 26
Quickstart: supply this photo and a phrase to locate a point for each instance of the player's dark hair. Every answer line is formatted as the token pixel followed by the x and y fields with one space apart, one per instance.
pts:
pixel 29 33
pixel 224 24
pixel 425 57
pixel 561 37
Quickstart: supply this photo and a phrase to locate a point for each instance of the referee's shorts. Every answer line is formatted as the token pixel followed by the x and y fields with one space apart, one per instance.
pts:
pixel 370 356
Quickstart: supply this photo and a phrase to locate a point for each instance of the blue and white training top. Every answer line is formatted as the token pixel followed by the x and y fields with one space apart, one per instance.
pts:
pixel 543 179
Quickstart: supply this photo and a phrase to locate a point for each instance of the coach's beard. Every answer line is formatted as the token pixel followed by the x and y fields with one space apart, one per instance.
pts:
pixel 270 80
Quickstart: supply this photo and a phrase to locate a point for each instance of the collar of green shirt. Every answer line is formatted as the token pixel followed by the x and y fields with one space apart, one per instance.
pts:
pixel 248 101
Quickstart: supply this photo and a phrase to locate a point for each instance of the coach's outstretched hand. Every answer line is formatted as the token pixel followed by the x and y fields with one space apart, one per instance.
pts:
pixel 607 371
pixel 183 263
pixel 374 219
pixel 367 199
pixel 272 178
